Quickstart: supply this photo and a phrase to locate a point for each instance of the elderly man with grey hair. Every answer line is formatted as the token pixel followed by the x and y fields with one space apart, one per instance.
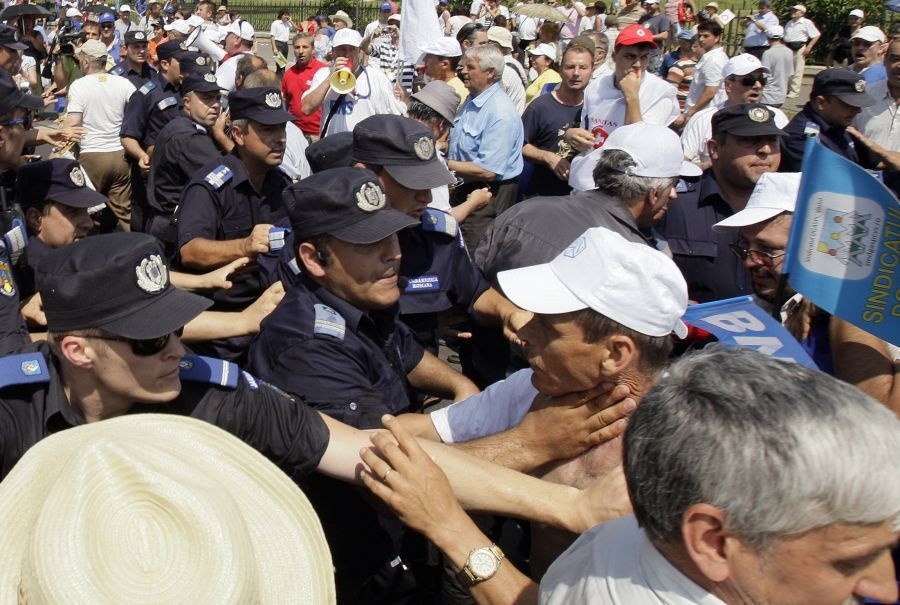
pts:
pixel 486 142
pixel 790 497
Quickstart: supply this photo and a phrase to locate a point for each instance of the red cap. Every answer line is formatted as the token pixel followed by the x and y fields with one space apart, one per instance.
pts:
pixel 635 34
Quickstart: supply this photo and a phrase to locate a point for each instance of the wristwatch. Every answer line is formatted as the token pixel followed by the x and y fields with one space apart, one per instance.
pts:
pixel 481 565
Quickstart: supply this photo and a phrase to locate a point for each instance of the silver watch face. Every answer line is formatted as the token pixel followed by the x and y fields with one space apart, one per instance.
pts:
pixel 482 563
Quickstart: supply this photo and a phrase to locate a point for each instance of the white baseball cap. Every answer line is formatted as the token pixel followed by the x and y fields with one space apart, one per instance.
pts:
pixel 628 282
pixel 346 36
pixel 799 7
pixel 857 13
pixel 124 9
pixel 440 47
pixel 774 193
pixel 869 33
pixel 775 31
pixel 743 64
pixel 242 29
pixel 195 20
pixel 72 12
pixel 655 149
pixel 179 25
pixel 546 50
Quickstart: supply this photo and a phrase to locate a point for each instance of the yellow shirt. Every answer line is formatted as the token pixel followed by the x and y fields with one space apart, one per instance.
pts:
pixel 550 76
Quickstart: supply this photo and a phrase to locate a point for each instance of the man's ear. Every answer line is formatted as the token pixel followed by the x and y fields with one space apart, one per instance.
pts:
pixel 309 257
pixel 706 541
pixel 33 218
pixel 77 351
pixel 712 147
pixel 621 352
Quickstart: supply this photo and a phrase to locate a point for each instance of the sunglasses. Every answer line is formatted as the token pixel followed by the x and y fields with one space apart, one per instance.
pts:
pixel 25 122
pixel 749 81
pixel 147 347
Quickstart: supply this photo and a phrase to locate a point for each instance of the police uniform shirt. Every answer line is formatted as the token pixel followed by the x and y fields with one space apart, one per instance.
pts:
pixel 149 109
pixel 221 204
pixel 13 333
pixel 439 274
pixel 796 132
pixel 338 360
pixel 182 148
pixel 711 270
pixel 138 78
pixel 33 405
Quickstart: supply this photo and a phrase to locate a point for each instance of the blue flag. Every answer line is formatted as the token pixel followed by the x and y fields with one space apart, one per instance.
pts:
pixel 844 248
pixel 740 322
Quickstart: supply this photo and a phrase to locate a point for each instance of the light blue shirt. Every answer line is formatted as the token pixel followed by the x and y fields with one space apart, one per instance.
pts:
pixel 488 131
pixel 753 36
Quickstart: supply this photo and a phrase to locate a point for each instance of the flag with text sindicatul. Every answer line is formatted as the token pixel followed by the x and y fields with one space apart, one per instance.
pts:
pixel 740 322
pixel 844 248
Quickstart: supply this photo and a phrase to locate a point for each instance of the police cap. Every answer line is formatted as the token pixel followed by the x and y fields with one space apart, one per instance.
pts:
pixel 11 97
pixel 135 36
pixel 167 50
pixel 58 180
pixel 116 282
pixel 9 37
pixel 333 151
pixel 190 61
pixel 845 84
pixel 404 147
pixel 199 82
pixel 347 203
pixel 263 105
pixel 745 120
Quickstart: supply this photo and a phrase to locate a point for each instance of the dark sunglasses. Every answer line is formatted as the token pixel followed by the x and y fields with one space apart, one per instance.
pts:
pixel 144 348
pixel 107 25
pixel 24 122
pixel 749 81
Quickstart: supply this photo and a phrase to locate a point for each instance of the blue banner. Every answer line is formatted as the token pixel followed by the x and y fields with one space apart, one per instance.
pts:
pixel 740 322
pixel 844 247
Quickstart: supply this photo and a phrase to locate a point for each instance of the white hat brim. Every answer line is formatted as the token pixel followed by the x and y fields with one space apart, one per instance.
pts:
pixel 747 217
pixel 539 290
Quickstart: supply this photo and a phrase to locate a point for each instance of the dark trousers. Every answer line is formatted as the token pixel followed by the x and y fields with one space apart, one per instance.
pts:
pixel 504 195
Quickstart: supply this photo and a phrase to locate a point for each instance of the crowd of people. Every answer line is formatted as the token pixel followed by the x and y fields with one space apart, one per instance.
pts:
pixel 443 296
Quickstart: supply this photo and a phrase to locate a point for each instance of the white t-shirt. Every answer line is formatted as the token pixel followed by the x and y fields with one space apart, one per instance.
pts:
pixel 294 164
pixel 707 72
pixel 512 85
pixel 801 30
pixel 226 72
pixel 604 111
pixel 614 563
pixel 498 408
pixel 100 99
pixel 373 95
pixel 698 131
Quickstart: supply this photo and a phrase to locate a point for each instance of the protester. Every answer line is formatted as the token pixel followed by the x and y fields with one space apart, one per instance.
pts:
pixel 779 59
pixel 755 40
pixel 800 35
pixel 868 46
pixel 297 80
pixel 876 121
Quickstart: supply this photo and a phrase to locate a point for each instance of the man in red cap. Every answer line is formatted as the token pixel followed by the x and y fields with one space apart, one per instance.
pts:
pixel 647 99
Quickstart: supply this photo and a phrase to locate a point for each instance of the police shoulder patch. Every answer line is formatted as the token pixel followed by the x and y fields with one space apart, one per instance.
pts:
pixel 119 70
pixel 439 221
pixel 25 368
pixel 166 103
pixel 7 284
pixel 196 368
pixel 329 322
pixel 147 87
pixel 219 176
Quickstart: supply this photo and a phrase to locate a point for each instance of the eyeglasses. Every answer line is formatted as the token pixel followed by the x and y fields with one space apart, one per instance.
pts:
pixel 749 81
pixel 144 348
pixel 107 26
pixel 24 122
pixel 757 256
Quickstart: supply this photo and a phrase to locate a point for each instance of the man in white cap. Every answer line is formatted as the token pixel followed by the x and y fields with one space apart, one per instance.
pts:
pixel 868 46
pixel 238 41
pixel 877 121
pixel 779 60
pixel 800 35
pixel 441 56
pixel 761 231
pixel 744 79
pixel 372 94
pixel 124 24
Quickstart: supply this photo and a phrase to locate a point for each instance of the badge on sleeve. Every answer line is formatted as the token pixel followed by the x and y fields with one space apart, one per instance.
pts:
pixel 166 103
pixel 219 176
pixel 439 222
pixel 26 368
pixel 7 285
pixel 329 322
pixel 147 87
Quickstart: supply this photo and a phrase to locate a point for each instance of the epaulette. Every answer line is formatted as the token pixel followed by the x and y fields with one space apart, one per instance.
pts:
pixel 220 175
pixel 276 237
pixel 329 322
pixel 166 103
pixel 25 368
pixel 196 368
pixel 439 222
pixel 147 88
pixel 117 70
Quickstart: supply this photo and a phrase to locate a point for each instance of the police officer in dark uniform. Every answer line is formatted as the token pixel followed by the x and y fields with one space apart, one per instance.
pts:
pixel 135 67
pixel 113 315
pixel 182 148
pixel 229 208
pixel 436 269
pixel 335 343
pixel 745 143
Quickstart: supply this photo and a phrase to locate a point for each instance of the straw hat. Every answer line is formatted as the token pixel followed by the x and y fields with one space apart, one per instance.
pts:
pixel 154 508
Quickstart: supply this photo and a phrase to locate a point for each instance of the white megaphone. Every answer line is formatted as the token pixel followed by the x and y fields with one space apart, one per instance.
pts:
pixel 199 39
pixel 342 81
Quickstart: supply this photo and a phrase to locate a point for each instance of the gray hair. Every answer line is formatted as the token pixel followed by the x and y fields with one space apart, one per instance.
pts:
pixel 599 38
pixel 261 78
pixel 488 57
pixel 611 177
pixel 779 448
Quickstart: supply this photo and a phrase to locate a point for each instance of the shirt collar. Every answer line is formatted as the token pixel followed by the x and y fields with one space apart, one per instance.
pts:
pixel 481 99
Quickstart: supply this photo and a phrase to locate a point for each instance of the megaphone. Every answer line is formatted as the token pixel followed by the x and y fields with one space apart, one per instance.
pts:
pixel 342 81
pixel 199 39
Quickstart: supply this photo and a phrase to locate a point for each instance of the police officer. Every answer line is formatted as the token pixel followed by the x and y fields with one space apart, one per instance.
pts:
pixel 745 144
pixel 229 208
pixel 135 67
pixel 336 343
pixel 182 148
